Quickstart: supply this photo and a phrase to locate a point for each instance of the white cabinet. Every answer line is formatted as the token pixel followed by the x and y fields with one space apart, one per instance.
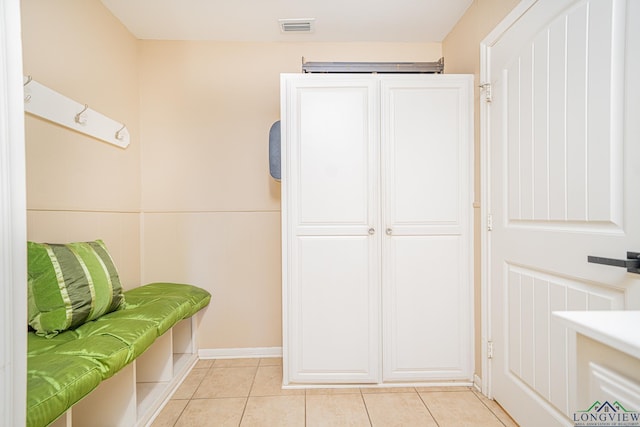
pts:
pixel 376 213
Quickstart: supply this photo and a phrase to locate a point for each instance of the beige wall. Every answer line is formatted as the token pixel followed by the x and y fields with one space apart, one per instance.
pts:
pixel 461 49
pixel 199 114
pixel 211 210
pixel 79 188
pixel 190 200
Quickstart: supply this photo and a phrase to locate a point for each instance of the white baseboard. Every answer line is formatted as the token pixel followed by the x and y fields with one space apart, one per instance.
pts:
pixel 477 383
pixel 239 353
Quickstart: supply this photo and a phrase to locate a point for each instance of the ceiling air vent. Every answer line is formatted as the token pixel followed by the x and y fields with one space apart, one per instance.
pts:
pixel 303 25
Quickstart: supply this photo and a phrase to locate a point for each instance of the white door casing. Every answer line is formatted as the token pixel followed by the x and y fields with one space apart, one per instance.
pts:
pixel 561 142
pixel 13 222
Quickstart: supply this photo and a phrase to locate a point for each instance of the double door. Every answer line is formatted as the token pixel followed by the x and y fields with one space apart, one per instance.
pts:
pixel 376 213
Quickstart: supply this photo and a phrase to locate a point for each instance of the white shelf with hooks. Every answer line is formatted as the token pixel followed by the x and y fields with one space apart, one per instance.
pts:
pixel 44 102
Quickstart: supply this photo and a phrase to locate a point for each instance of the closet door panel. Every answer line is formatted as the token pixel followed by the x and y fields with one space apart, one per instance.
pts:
pixel 425 328
pixel 335 311
pixel 426 286
pixel 332 157
pixel 331 254
pixel 424 156
pixel 333 152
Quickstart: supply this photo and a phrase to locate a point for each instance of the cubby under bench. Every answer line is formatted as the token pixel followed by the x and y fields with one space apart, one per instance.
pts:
pixel 149 344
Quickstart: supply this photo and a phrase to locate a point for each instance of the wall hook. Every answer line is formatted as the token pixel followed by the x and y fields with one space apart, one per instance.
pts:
pixel 80 117
pixel 119 134
pixel 27 98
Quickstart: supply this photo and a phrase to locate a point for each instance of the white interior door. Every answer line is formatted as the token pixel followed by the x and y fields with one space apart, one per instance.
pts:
pixel 563 153
pixel 427 291
pixel 330 220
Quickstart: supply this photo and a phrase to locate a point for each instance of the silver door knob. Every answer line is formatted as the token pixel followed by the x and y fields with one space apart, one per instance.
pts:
pixel 389 231
pixel 372 231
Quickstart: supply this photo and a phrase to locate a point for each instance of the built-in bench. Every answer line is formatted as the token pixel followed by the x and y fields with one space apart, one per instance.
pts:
pixel 149 344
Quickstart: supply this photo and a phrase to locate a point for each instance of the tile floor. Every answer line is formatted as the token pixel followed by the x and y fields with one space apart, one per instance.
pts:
pixel 247 392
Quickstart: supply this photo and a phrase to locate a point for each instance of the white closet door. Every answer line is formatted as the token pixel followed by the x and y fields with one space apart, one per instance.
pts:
pixel 427 311
pixel 330 221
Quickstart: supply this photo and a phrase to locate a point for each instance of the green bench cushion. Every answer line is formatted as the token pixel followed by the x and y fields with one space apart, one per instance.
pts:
pixel 37 345
pixel 136 334
pixel 83 357
pixel 55 382
pixel 196 298
pixel 109 354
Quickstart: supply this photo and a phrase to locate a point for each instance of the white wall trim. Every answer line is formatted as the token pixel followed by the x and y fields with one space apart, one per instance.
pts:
pixel 485 244
pixel 239 353
pixel 477 383
pixel 13 222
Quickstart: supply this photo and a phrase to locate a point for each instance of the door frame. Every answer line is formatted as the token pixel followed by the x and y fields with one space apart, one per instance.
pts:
pixel 485 189
pixel 13 222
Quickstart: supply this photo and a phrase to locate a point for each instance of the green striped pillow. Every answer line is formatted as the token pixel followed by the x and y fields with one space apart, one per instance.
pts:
pixel 70 284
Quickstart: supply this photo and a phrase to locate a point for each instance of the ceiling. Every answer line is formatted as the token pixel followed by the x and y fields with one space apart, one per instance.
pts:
pixel 257 20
